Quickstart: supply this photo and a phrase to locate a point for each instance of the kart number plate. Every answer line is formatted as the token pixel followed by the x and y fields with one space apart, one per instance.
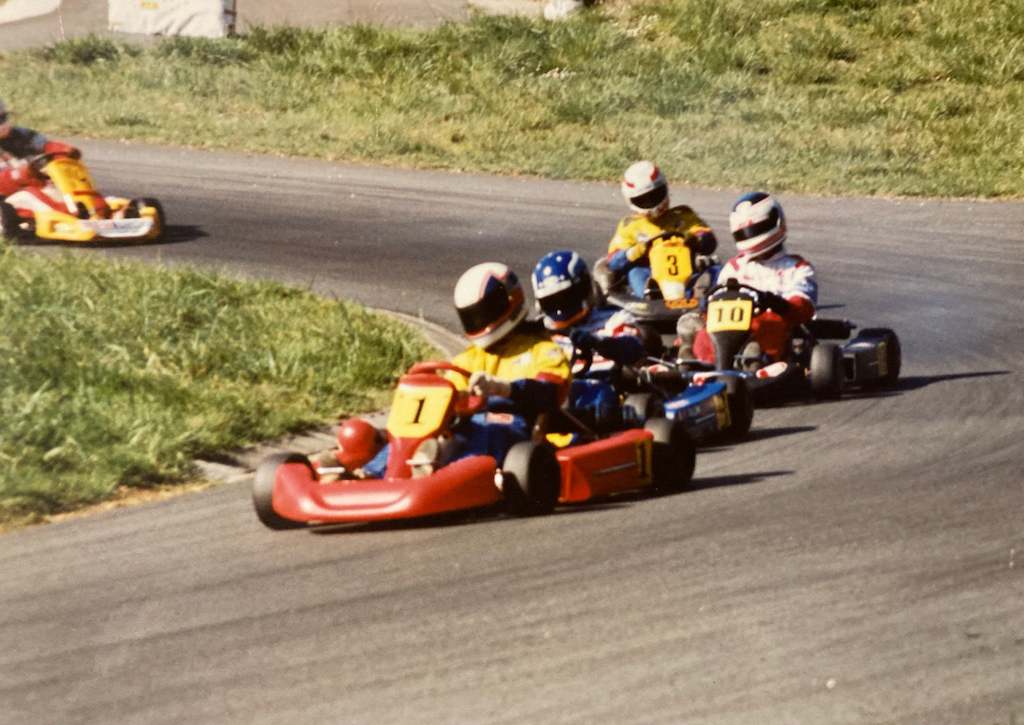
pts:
pixel 670 261
pixel 730 315
pixel 418 411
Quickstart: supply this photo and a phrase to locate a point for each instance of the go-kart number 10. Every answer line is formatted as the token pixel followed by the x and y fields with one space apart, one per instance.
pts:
pixel 418 411
pixel 728 315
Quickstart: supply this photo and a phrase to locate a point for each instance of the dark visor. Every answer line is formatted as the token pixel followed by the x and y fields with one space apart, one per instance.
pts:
pixel 564 304
pixel 759 228
pixel 651 199
pixel 485 312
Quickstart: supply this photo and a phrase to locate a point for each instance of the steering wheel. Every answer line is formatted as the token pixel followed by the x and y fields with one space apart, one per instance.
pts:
pixel 465 402
pixel 37 163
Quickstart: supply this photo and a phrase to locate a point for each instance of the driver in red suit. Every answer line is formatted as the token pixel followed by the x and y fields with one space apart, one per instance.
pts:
pixel 18 144
pixel 788 284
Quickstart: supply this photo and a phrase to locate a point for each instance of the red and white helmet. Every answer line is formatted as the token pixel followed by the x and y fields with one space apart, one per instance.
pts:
pixel 645 189
pixel 490 302
pixel 757 223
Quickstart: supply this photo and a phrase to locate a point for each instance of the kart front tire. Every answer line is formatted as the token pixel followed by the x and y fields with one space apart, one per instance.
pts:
pixel 531 479
pixel 263 490
pixel 642 406
pixel 826 371
pixel 674 455
pixel 136 205
pixel 741 406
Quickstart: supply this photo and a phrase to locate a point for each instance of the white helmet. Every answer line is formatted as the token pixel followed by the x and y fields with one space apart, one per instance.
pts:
pixel 490 303
pixel 645 189
pixel 757 224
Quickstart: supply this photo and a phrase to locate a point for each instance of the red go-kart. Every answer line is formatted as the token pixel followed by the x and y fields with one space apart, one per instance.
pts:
pixel 428 475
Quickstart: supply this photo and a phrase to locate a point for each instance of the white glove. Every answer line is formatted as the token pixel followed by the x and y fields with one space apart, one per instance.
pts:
pixel 480 383
pixel 638 250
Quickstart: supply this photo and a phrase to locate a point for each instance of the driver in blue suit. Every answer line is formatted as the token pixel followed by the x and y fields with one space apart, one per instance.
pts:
pixel 607 337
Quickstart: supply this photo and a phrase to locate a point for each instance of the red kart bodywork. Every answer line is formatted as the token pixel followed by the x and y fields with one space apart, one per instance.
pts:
pixel 464 484
pixel 425 403
pixel 606 466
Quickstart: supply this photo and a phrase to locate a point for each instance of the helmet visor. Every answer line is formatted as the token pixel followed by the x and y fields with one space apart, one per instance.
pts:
pixel 650 199
pixel 565 304
pixel 757 228
pixel 486 312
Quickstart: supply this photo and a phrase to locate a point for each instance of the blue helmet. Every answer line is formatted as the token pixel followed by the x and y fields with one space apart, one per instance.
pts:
pixel 563 288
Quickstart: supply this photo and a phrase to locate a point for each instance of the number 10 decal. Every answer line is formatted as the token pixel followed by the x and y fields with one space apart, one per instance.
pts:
pixel 728 315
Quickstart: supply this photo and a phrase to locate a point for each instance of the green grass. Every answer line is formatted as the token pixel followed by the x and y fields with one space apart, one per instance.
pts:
pixel 887 97
pixel 115 375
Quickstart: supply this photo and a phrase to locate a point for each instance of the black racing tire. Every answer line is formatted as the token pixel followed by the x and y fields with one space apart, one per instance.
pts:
pixel 161 217
pixel 674 455
pixel 263 490
pixel 531 479
pixel 826 371
pixel 741 406
pixel 9 222
pixel 893 355
pixel 644 406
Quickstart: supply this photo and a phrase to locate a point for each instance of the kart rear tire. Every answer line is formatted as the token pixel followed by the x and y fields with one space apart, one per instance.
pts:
pixel 893 355
pixel 9 222
pixel 263 490
pixel 531 479
pixel 644 406
pixel 826 371
pixel 674 455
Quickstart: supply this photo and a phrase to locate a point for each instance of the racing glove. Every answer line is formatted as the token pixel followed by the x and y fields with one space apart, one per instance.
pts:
pixel 489 386
pixel 776 303
pixel 583 340
pixel 637 251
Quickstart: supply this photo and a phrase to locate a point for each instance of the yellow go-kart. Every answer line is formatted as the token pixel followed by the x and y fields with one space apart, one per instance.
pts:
pixel 61 202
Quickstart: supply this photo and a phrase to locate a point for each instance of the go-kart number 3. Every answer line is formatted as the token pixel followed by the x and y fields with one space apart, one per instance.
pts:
pixel 726 315
pixel 418 411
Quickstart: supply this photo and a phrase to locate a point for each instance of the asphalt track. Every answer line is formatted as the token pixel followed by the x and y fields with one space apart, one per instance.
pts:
pixel 854 562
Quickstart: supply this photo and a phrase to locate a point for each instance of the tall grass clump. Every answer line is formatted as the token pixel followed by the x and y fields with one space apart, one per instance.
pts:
pixel 837 96
pixel 115 375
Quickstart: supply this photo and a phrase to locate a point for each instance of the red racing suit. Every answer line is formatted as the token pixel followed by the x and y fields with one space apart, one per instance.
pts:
pixel 787 275
pixel 21 143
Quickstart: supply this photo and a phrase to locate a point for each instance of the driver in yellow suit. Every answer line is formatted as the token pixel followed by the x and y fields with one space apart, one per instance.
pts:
pixel 645 189
pixel 512 361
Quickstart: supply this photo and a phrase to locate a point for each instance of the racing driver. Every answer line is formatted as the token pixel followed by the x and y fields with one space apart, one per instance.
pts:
pixel 787 282
pixel 17 144
pixel 513 363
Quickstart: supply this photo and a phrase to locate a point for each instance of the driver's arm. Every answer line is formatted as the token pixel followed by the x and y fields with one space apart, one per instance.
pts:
pixel 624 250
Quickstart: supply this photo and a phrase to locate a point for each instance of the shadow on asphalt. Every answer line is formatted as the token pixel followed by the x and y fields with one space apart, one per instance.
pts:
pixel 916 382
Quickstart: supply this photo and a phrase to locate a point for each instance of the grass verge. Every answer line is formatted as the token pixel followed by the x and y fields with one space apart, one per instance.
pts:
pixel 889 97
pixel 116 376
